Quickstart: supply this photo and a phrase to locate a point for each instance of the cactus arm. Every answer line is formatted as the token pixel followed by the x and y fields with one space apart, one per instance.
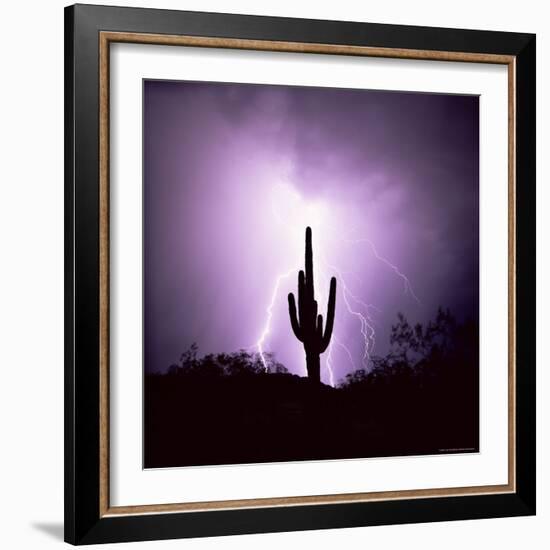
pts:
pixel 319 330
pixel 301 284
pixel 309 266
pixel 293 317
pixel 314 310
pixel 330 315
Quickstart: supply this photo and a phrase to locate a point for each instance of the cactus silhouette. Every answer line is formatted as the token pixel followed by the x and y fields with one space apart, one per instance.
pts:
pixel 307 325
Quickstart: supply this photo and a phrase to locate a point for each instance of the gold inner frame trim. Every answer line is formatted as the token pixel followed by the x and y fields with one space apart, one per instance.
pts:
pixel 105 39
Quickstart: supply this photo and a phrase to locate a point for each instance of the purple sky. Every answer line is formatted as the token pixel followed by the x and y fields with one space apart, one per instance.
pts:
pixel 233 173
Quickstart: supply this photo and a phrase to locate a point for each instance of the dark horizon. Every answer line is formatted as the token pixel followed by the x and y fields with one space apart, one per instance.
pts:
pixel 254 416
pixel 233 173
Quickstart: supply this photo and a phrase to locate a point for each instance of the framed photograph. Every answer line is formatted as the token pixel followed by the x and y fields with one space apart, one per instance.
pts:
pixel 300 274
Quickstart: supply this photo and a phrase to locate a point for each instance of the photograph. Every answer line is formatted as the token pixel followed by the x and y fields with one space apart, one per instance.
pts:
pixel 310 273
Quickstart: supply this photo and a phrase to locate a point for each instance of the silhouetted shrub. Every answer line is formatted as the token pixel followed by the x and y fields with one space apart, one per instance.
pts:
pixel 240 363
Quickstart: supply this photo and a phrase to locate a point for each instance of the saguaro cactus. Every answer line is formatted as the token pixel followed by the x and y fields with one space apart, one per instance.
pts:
pixel 307 325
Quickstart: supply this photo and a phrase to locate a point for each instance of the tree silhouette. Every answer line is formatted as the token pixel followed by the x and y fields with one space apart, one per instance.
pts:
pixel 306 324
pixel 238 364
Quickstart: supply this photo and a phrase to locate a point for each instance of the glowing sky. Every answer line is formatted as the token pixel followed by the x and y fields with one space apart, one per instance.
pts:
pixel 233 173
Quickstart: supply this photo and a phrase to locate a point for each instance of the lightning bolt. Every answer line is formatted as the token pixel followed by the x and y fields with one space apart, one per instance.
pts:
pixel 269 316
pixel 337 342
pixel 406 283
pixel 366 328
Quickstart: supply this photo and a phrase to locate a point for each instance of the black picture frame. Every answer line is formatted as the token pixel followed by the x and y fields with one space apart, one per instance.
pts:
pixel 84 522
